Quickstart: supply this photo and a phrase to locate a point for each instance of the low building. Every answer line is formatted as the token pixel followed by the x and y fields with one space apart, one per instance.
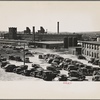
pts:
pixel 75 50
pixel 48 44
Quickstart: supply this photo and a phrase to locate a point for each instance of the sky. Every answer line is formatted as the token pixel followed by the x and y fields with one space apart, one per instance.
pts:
pixel 73 16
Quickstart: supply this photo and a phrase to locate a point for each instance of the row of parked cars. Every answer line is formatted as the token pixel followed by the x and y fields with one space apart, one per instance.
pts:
pixel 94 61
pixel 35 71
pixel 48 74
pixel 76 70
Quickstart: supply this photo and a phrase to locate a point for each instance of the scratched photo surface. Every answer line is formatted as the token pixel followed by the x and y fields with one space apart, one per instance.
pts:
pixel 49 49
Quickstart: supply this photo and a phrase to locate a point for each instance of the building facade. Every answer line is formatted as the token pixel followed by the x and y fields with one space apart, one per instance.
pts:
pixel 91 49
pixel 12 33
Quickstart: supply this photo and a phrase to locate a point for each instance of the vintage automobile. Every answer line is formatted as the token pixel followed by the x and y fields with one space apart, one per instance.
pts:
pixel 96 62
pixel 28 53
pixel 89 70
pixel 77 75
pixel 53 69
pixel 81 57
pixel 11 57
pixel 36 66
pixel 72 67
pixel 4 63
pixel 65 65
pixel 3 59
pixel 68 60
pixel 49 60
pixel 37 72
pixel 62 77
pixel 9 67
pixel 27 60
pixel 20 69
pixel 48 75
pixel 18 58
pixel 91 60
pixel 96 76
pixel 41 56
pixel 28 72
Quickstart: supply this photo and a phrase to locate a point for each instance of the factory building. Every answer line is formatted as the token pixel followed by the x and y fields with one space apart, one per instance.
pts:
pixel 12 34
pixel 47 44
pixel 70 41
pixel 27 31
pixel 42 30
pixel 91 48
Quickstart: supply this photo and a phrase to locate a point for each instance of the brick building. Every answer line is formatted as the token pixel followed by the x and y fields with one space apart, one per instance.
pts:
pixel 91 49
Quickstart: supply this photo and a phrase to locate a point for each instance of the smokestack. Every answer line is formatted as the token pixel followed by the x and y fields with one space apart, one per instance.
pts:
pixel 33 34
pixel 58 27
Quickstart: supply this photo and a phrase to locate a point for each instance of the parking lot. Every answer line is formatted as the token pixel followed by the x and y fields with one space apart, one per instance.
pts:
pixel 35 60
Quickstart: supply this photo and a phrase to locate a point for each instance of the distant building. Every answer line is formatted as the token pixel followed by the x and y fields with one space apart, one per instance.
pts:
pixel 91 48
pixel 42 30
pixel 27 31
pixel 70 41
pixel 12 34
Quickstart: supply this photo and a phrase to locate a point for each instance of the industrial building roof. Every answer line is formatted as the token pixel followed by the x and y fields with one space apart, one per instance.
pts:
pixel 50 42
pixel 92 42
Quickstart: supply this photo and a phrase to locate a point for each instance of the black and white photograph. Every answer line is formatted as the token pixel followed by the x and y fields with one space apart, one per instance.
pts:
pixel 54 44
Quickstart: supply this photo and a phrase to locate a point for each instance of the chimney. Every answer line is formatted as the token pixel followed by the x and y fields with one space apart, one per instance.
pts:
pixel 58 27
pixel 33 34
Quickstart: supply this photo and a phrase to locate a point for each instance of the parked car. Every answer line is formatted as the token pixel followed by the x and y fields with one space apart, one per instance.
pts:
pixel 37 72
pixel 29 54
pixel 41 56
pixel 4 63
pixel 3 59
pixel 48 75
pixel 91 60
pixel 72 67
pixel 62 77
pixel 96 62
pixel 76 75
pixel 36 66
pixel 81 57
pixel 11 57
pixel 28 72
pixel 27 60
pixel 20 69
pixel 53 69
pixel 89 70
pixel 9 67
pixel 18 58
pixel 96 76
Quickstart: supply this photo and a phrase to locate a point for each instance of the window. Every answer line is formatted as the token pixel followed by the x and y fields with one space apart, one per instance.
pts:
pixel 97 55
pixel 92 54
pixel 87 53
pixel 92 46
pixel 97 47
pixel 87 45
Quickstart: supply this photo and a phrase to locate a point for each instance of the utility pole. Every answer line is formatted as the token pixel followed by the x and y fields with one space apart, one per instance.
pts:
pixel 24 54
pixel 33 35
